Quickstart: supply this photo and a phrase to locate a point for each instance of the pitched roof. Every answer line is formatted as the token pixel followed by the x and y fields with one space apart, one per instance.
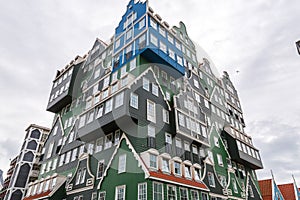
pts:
pixel 175 179
pixel 287 190
pixel 266 189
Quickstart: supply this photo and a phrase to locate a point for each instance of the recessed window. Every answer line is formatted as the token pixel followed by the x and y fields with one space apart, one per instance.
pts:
pixel 114 76
pixel 106 82
pixel 220 159
pixel 157 191
pixel 120 193
pixel 178 44
pixel 151 113
pixel 99 145
pixel 170 38
pixel 99 110
pixel 132 64
pixel 177 168
pixel 61 160
pixel 172 54
pixel 129 34
pixel 123 71
pixel 74 154
pixel 165 114
pixel 122 163
pixel 197 174
pixel 187 172
pixel 117 44
pixel 194 195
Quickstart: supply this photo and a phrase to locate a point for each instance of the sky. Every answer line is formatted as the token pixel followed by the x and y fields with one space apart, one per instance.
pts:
pixel 256 38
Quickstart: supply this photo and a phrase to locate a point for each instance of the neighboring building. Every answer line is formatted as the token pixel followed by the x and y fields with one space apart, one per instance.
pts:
pixel 26 166
pixel 8 177
pixel 145 117
pixel 271 191
pixel 1 179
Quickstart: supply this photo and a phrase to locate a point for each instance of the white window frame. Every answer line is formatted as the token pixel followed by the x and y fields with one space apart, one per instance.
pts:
pixel 151 111
pixel 122 164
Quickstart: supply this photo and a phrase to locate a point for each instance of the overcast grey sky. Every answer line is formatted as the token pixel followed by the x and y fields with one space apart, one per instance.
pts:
pixel 254 37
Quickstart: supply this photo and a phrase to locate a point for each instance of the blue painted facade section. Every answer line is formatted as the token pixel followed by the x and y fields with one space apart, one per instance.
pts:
pixel 135 21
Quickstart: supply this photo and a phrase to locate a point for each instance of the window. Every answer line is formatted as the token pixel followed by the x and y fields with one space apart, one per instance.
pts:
pixel 179 60
pixel 172 54
pixel 210 156
pixel 134 100
pixel 106 82
pixel 108 141
pixel 129 34
pixel 151 113
pixel 146 84
pixel 206 103
pixel 163 47
pixel 81 150
pixel 165 115
pixel 83 173
pixel 170 38
pixel 90 117
pixel 99 145
pixel 171 192
pixel 99 111
pixel 162 31
pixel 216 140
pixel 102 195
pixel 183 194
pixel 123 71
pixel 100 169
pixel 194 195
pixel 120 193
pixel 165 165
pixel 177 168
pixel 55 130
pixel 142 191
pixel 108 106
pixel 181 119
pixel 117 137
pixel 142 23
pixel 117 44
pixel 153 23
pixel 186 146
pixel 132 64
pixel 114 76
pixel 97 73
pixel 114 88
pixel 187 172
pixel 153 40
pixel 197 174
pixel 157 191
pixel 196 83
pixel 151 131
pixel 153 161
pixel 211 179
pixel 74 154
pixel 82 121
pixel 204 196
pixel 90 148
pixel 154 89
pixel 122 163
pixel 119 100
pixel 50 149
pixel 78 176
pixel 234 185
pixel 68 157
pixel 105 94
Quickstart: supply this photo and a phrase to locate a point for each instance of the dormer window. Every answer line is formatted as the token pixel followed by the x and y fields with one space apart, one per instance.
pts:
pixel 187 172
pixel 165 165
pixel 153 161
pixel 177 168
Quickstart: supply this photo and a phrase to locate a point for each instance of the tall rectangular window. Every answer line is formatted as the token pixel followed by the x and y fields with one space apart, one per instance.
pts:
pixel 153 39
pixel 194 195
pixel 177 168
pixel 181 120
pixel 119 100
pixel 165 165
pixel 171 192
pixel 153 161
pixel 134 100
pixel 157 191
pixel 151 113
pixel 50 149
pixel 165 114
pixel 220 159
pixel 108 106
pixel 108 141
pixel 122 163
pixel 120 193
pixel 211 179
pixel 100 169
pixel 183 194
pixel 74 154
pixel 146 84
pixel 154 89
pixel 142 191
pixel 99 145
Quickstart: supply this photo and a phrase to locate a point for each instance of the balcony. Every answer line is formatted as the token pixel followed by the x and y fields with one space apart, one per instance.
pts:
pixel 241 151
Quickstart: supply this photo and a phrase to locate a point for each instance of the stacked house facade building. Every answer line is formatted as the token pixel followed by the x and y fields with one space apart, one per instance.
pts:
pixel 145 117
pixel 25 167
